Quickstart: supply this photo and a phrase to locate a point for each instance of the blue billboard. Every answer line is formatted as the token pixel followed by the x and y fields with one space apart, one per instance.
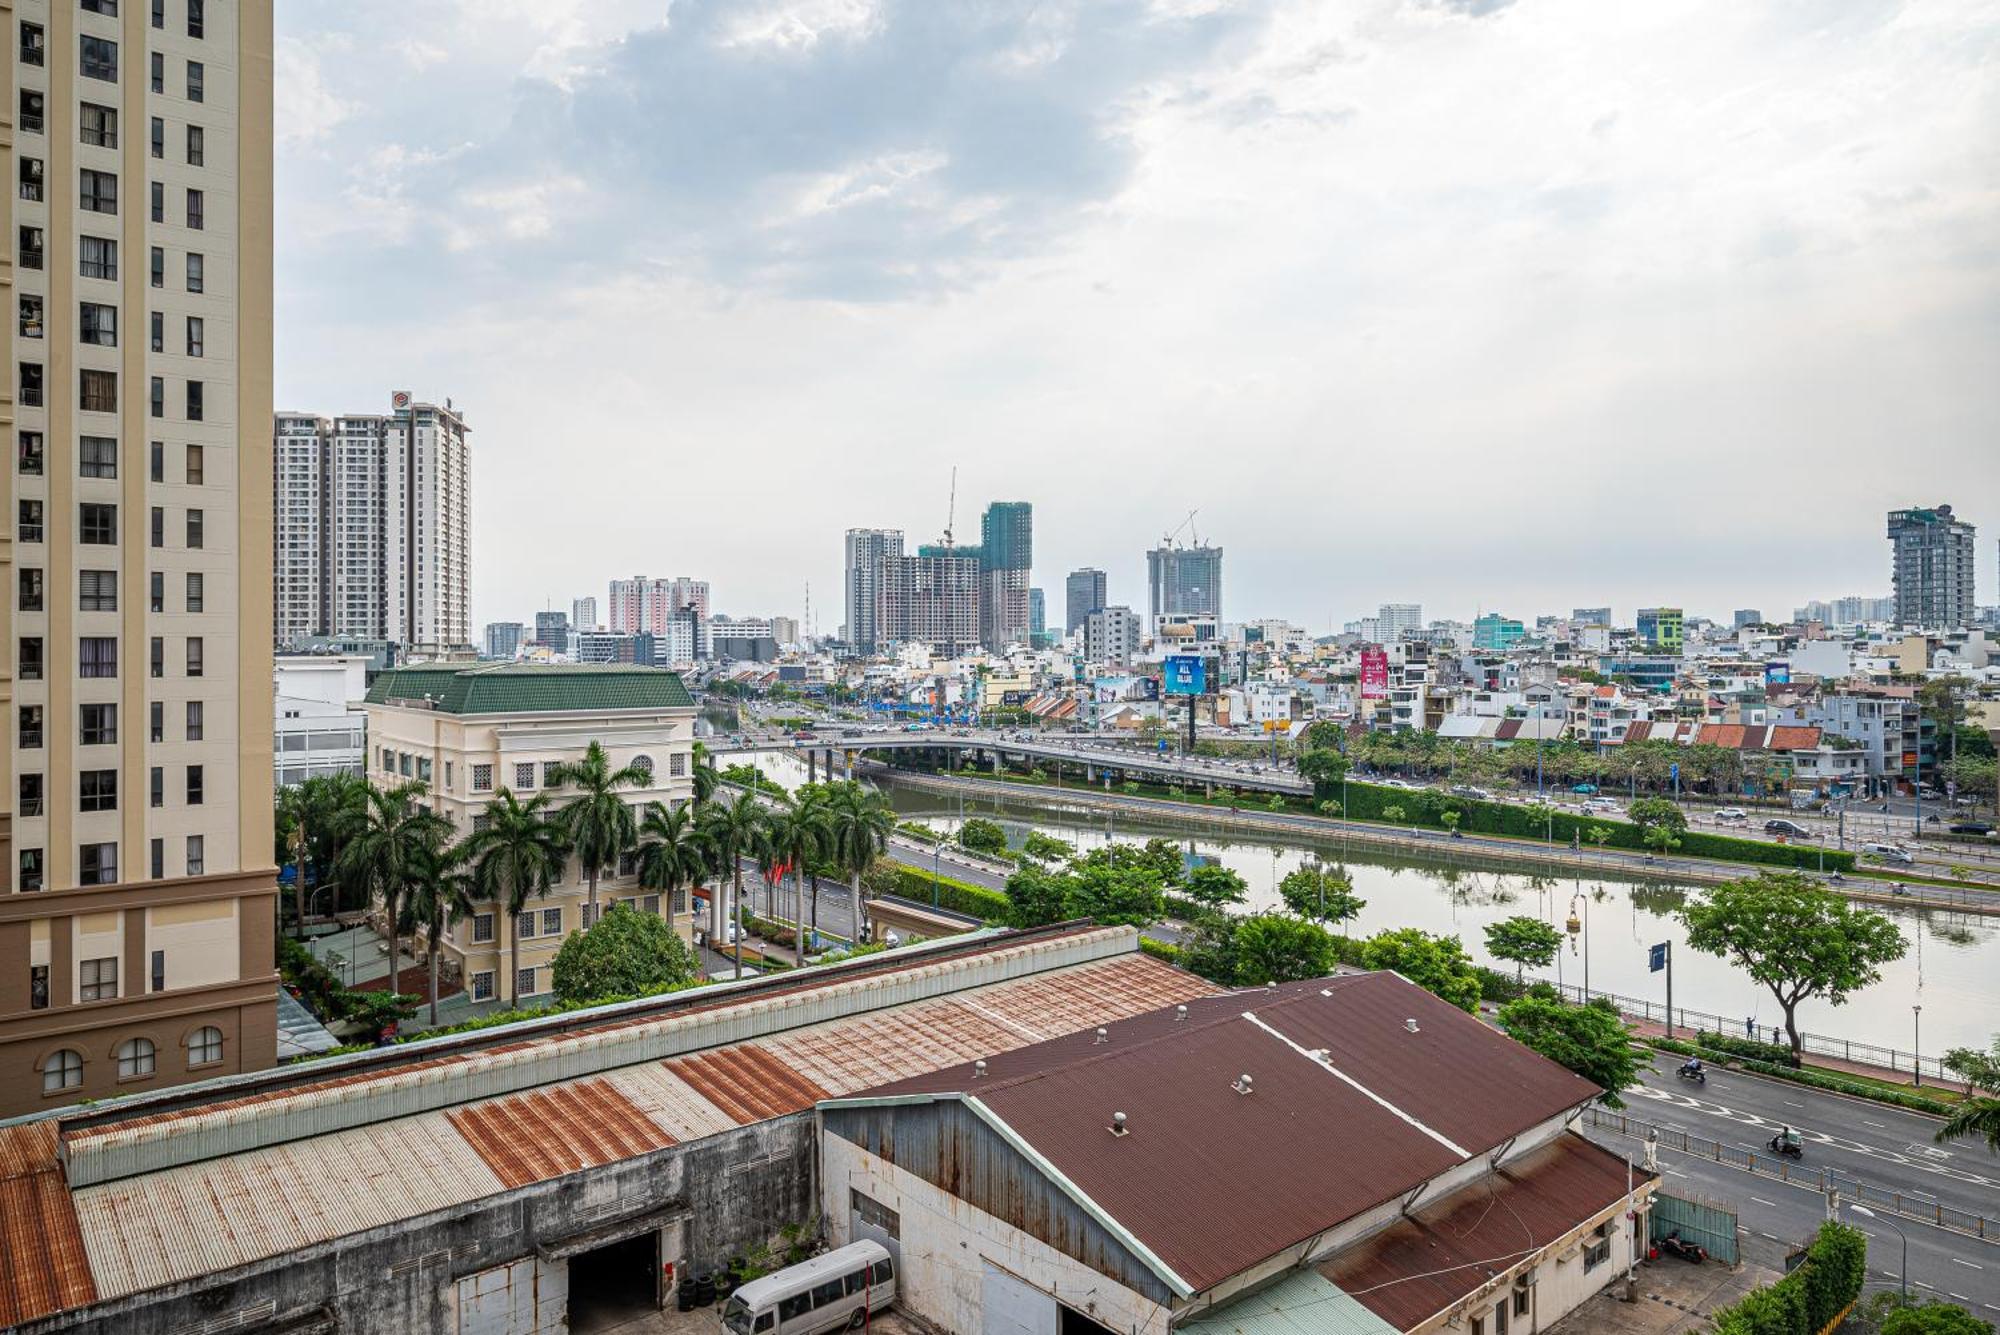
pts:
pixel 1186 674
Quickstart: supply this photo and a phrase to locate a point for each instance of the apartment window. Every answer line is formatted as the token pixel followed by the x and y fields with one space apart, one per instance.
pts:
pixel 551 922
pixel 159 526
pixel 156 728
pixel 30 801
pixel 195 339
pixel 194 656
pixel 31 180
pixel 97 656
pixel 195 472
pixel 156 853
pixel 205 1046
pixel 158 591
pixel 197 859
pixel 550 768
pixel 97 391
pixel 97 980
pixel 482 928
pixel 195 24
pixel 97 456
pixel 31 44
pixel 31 869
pixel 97 524
pixel 194 272
pixel 31 247
pixel 159 138
pixel 99 58
pixel 1524 1302
pixel 29 727
pixel 194 721
pixel 30 658
pixel 31 316
pixel 524 774
pixel 195 80
pixel 31 384
pixel 30 527
pixel 97 790
pixel 524 924
pixel 96 257
pixel 156 797
pixel 63 1070
pixel 157 461
pixel 159 73
pixel 156 396
pixel 31 589
pixel 194 527
pixel 97 591
pixel 159 657
pixel 159 971
pixel 98 191
pixel 196 392
pixel 98 125
pixel 38 990
pixel 159 271
pixel 159 201
pixel 97 724
pixel 30 453
pixel 159 13
pixel 1596 1254
pixel 195 146
pixel 482 985
pixel 194 785
pixel 194 591
pixel 194 210
pixel 97 323
pixel 31 111
pixel 135 1058
pixel 587 917
pixel 108 8
pixel 157 331
pixel 482 778
pixel 524 982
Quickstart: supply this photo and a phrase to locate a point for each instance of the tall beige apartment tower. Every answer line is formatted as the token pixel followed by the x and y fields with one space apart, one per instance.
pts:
pixel 136 866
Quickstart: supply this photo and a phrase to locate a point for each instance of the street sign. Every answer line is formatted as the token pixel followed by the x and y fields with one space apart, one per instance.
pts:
pixel 1659 958
pixel 1674 771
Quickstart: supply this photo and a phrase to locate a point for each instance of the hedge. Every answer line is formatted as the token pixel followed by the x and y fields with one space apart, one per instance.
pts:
pixel 1774 1054
pixel 958 896
pixel 1160 950
pixel 1808 1076
pixel 1426 807
pixel 1813 1297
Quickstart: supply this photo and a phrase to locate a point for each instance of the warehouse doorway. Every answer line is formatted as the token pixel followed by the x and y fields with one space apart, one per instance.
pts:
pixel 615 1283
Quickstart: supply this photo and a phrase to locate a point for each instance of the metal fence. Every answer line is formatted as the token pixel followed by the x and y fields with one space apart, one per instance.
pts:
pixel 1710 1225
pixel 1817 1045
pixel 1886 1200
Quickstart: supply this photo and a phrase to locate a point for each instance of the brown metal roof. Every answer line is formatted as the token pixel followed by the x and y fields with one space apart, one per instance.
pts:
pixel 1730 735
pixel 1442 1255
pixel 548 1132
pixel 1308 1148
pixel 42 1264
pixel 747 1082
pixel 1791 737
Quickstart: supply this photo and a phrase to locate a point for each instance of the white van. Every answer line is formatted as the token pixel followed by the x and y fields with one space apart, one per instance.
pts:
pixel 829 1292
pixel 1891 853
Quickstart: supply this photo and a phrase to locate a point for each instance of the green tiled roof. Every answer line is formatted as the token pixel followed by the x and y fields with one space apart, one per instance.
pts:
pixel 532 688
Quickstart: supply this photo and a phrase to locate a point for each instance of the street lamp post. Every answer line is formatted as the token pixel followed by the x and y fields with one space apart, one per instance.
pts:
pixel 1917 1042
pixel 1904 1274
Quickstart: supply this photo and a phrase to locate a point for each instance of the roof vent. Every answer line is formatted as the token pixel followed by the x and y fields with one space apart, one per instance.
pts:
pixel 979 1069
pixel 1180 1012
pixel 1410 1024
pixel 1118 1124
pixel 1102 1035
pixel 1242 1085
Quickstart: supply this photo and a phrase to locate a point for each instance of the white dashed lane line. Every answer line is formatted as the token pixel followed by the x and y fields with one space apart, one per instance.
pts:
pixel 1879 1126
pixel 1761 1201
pixel 1969 1265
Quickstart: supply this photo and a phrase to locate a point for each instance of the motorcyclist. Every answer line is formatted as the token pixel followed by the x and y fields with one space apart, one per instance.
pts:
pixel 1692 1066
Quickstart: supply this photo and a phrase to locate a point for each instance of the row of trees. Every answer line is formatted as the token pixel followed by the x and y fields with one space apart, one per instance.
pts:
pixel 384 846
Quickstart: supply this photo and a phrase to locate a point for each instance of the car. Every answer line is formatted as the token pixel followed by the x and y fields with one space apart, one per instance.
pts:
pixel 1603 804
pixel 1890 853
pixel 1467 790
pixel 1972 827
pixel 1790 829
pixel 1732 813
pixel 1587 789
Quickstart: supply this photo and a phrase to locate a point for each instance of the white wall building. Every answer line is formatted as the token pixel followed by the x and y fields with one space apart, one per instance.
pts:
pixel 321 728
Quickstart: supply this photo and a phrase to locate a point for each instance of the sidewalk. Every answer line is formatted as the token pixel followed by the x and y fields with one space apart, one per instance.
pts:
pixel 1813 1061
pixel 1673 1297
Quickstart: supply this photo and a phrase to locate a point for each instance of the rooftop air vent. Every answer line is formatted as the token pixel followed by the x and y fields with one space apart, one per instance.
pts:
pixel 1410 1024
pixel 1103 1036
pixel 1118 1124
pixel 1242 1085
pixel 1180 1012
pixel 979 1069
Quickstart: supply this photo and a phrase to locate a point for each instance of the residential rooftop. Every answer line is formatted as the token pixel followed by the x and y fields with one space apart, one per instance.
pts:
pixel 531 688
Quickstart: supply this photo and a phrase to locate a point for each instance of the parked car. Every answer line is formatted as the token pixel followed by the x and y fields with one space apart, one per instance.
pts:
pixel 1972 827
pixel 1790 829
pixel 1732 813
pixel 1587 789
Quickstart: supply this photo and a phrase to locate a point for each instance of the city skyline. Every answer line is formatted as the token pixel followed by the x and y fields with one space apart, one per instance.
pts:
pixel 1737 272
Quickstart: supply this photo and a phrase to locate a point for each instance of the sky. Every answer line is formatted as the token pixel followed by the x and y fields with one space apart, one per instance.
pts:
pixel 1492 305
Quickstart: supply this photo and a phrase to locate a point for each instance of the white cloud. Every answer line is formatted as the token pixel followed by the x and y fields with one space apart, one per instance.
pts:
pixel 306 112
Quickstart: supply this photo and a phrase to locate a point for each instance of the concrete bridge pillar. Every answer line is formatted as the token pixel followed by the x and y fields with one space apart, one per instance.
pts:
pixel 996 762
pixel 812 767
pixel 1090 774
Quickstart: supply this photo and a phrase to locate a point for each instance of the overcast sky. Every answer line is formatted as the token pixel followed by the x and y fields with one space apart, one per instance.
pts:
pixel 1490 305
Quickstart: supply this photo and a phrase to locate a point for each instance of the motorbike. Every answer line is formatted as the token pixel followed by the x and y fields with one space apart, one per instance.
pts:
pixel 1694 1073
pixel 1788 1146
pixel 1675 1245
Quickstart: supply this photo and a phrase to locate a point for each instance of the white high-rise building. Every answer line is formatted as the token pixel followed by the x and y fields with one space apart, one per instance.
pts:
pixel 583 614
pixel 1399 619
pixel 869 552
pixel 372 533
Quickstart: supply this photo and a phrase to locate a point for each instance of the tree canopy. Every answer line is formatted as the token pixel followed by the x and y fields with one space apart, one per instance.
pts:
pixel 624 953
pixel 1650 812
pixel 1523 941
pixel 1437 964
pixel 1278 948
pixel 982 836
pixel 1214 886
pixel 1591 1040
pixel 1321 894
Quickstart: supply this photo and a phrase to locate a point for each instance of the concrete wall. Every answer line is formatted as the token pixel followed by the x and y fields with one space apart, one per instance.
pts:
pixel 733 1190
pixel 945 1244
pixel 1560 1283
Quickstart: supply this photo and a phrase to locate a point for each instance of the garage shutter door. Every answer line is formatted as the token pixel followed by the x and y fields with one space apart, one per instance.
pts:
pixel 1012 1307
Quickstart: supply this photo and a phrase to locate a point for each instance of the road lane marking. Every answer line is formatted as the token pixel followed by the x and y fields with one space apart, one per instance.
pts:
pixel 1961 1297
pixel 1969 1265
pixel 1789 1104
pixel 1761 1201
pixel 1879 1126
pixel 1772 1236
pixel 1932 1287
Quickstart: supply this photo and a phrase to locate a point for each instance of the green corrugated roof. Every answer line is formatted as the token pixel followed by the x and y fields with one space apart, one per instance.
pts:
pixel 1302 1303
pixel 532 688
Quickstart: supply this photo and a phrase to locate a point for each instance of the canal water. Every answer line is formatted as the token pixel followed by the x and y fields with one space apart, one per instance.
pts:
pixel 1952 967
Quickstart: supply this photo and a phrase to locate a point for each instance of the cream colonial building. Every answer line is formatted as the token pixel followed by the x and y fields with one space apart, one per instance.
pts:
pixel 467 732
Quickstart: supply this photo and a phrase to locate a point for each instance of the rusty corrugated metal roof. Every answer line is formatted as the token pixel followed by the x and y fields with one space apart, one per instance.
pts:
pixel 43 1267
pixel 1791 737
pixel 1348 1108
pixel 1422 1265
pixel 747 1082
pixel 548 1132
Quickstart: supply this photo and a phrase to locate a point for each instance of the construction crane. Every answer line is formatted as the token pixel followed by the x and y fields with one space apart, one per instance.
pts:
pixel 1175 532
pixel 951 507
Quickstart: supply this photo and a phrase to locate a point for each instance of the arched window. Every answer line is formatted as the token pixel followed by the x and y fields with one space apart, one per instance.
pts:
pixel 63 1070
pixel 135 1058
pixel 205 1046
pixel 643 763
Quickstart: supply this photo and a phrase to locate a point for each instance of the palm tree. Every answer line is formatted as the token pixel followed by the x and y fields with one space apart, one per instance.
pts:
pixel 515 858
pixel 734 831
pixel 673 852
pixel 440 897
pixel 299 809
pixel 861 822
pixel 389 850
pixel 705 777
pixel 345 798
pixel 815 804
pixel 792 837
pixel 598 824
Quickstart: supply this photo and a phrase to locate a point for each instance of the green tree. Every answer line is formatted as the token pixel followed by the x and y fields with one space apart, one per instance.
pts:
pixel 622 954
pixel 1278 948
pixel 1213 887
pixel 793 838
pixel 672 852
pixel 1657 813
pixel 391 846
pixel 1450 820
pixel 597 823
pixel 1324 769
pixel 1936 1317
pixel 1661 839
pixel 1321 894
pixel 1978 1115
pixel 1795 938
pixel 1394 815
pixel 734 830
pixel 860 821
pixel 1046 848
pixel 440 896
pixel 1591 1040
pixel 1437 964
pixel 1036 897
pixel 1523 941
pixel 704 775
pixel 980 835
pixel 516 857
pixel 1122 895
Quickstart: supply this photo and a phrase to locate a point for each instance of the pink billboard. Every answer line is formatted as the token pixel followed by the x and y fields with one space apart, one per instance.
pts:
pixel 1374 673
